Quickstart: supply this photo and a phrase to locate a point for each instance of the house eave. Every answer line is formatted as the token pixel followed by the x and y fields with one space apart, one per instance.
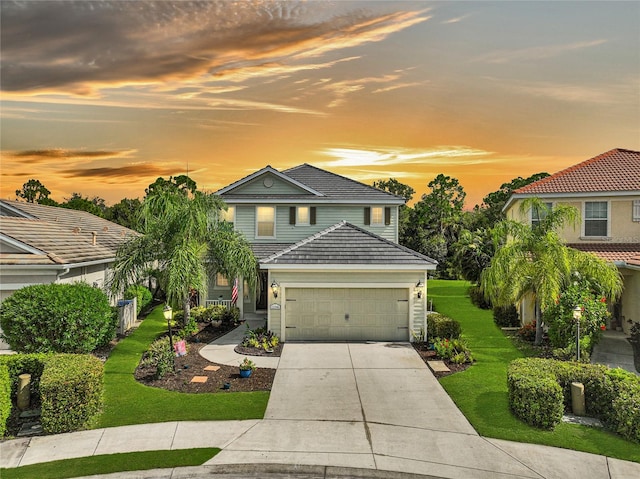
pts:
pixel 348 267
pixel 59 266
pixel 582 194
pixel 311 200
pixel 267 169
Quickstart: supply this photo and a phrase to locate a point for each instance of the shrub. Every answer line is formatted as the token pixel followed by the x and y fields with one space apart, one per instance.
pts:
pixel 18 364
pixel 534 395
pixel 71 390
pixel 454 350
pixel 71 318
pixel 247 365
pixel 440 326
pixel 160 356
pixel 142 294
pixel 612 395
pixel 260 338
pixel 5 397
pixel 528 332
pixel 506 316
pixel 477 298
pixel 230 315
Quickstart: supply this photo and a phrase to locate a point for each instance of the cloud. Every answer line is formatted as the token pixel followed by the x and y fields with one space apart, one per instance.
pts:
pixel 118 172
pixel 46 155
pixel 536 53
pixel 85 48
pixel 386 156
pixel 456 19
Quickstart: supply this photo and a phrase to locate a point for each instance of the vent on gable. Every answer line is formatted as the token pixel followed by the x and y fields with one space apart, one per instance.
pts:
pixel 77 230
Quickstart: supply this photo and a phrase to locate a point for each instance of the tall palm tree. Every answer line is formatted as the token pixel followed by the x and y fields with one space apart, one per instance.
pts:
pixel 535 262
pixel 183 239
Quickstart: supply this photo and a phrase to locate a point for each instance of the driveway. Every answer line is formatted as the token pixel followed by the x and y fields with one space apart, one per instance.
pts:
pixel 374 406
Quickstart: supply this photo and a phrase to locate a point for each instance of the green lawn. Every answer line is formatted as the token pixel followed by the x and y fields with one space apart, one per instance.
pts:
pixel 129 402
pixel 106 464
pixel 481 391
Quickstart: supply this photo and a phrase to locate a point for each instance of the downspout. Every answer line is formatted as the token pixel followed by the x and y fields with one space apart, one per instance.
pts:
pixel 64 272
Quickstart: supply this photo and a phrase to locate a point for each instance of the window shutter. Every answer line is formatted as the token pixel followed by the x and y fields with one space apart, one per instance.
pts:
pixel 292 215
pixel 367 216
pixel 387 215
pixel 312 215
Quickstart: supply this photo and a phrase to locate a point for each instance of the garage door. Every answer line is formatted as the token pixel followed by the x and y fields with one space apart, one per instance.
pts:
pixel 352 314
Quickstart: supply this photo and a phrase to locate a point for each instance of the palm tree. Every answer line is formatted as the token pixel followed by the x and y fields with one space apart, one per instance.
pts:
pixel 183 239
pixel 535 262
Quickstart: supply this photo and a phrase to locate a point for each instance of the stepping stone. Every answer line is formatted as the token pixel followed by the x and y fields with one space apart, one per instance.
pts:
pixel 438 366
pixel 30 414
pixel 30 429
pixel 199 379
pixel 212 368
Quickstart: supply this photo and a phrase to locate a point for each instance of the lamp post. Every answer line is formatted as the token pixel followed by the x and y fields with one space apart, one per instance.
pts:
pixel 168 314
pixel 577 315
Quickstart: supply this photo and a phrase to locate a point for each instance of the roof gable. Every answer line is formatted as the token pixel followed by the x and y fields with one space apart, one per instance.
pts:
pixel 617 170
pixel 346 244
pixel 267 181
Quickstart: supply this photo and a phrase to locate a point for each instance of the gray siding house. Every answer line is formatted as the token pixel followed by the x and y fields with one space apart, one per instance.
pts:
pixel 331 267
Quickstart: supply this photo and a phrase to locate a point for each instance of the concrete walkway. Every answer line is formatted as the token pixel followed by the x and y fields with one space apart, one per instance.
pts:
pixel 614 351
pixel 336 410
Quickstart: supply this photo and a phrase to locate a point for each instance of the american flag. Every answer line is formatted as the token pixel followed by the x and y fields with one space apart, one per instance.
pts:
pixel 234 291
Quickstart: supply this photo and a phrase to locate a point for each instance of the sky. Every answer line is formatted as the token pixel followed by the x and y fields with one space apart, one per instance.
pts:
pixel 101 98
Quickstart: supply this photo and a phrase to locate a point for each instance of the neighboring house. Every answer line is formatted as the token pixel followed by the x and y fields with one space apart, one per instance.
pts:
pixel 331 267
pixel 606 192
pixel 47 244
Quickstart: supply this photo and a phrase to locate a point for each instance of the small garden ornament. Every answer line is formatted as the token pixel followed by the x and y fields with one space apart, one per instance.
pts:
pixel 246 368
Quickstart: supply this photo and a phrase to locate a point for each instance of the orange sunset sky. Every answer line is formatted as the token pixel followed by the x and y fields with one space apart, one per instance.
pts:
pixel 101 98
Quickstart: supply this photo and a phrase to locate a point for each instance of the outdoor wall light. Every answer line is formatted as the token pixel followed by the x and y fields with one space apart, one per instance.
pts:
pixel 168 315
pixel 275 287
pixel 419 286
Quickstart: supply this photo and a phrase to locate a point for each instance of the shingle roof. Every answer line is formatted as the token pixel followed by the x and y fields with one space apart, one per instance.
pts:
pixel 264 250
pixel 321 186
pixel 613 252
pixel 616 170
pixel 336 186
pixel 64 236
pixel 345 243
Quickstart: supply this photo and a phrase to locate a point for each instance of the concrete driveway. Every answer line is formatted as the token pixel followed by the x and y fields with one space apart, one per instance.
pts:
pixel 378 406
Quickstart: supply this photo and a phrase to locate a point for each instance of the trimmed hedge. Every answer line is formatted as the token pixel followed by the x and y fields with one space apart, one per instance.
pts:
pixel 5 397
pixel 506 316
pixel 443 327
pixel 540 390
pixel 68 386
pixel 71 391
pixel 57 318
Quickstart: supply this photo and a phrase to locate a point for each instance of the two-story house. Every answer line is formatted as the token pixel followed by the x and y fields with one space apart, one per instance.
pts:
pixel 606 191
pixel 331 267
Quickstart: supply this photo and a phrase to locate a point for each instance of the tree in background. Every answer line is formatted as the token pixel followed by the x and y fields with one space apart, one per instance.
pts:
pixel 125 213
pixel 95 206
pixel 535 263
pixel 35 192
pixel 436 222
pixel 394 187
pixel 174 183
pixel 183 238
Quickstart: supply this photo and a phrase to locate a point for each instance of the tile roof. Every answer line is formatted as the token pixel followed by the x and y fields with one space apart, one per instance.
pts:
pixel 613 252
pixel 617 170
pixel 63 236
pixel 264 250
pixel 345 243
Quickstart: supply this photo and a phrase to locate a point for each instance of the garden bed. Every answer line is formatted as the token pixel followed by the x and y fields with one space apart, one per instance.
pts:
pixel 430 355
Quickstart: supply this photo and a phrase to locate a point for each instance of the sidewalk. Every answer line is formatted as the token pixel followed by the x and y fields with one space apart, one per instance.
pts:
pixel 614 351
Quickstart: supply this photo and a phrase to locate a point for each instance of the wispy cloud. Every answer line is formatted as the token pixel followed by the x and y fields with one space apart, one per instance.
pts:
pixel 537 53
pixel 136 171
pixel 86 48
pixel 456 19
pixel 386 156
pixel 46 155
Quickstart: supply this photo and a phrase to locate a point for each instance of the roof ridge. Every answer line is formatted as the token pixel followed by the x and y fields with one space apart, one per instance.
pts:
pixel 306 240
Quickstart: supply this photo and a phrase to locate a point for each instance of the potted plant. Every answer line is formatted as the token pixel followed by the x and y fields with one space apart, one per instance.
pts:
pixel 246 368
pixel 634 340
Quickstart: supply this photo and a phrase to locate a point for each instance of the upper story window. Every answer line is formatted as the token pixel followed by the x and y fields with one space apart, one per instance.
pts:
pixel 636 210
pixel 265 221
pixel 538 215
pixel 596 218
pixel 221 280
pixel 302 215
pixel 229 215
pixel 377 216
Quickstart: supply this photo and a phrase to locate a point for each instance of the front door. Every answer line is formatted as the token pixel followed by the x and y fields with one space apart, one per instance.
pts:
pixel 261 298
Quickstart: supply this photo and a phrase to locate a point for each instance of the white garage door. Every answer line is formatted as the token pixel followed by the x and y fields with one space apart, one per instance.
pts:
pixel 352 314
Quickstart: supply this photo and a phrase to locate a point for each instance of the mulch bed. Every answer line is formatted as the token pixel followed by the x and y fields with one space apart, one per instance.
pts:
pixel 192 364
pixel 430 355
